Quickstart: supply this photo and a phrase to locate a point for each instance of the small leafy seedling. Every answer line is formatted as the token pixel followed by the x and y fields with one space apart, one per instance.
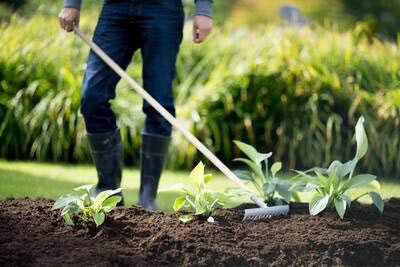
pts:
pixel 197 198
pixel 267 183
pixel 331 185
pixel 82 205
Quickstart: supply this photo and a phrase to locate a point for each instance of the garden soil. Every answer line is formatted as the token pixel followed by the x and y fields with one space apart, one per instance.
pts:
pixel 31 234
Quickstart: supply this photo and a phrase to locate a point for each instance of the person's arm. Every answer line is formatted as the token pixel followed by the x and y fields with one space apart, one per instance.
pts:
pixel 70 14
pixel 202 21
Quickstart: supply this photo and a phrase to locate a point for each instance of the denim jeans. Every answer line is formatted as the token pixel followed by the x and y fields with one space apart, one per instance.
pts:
pixel 155 28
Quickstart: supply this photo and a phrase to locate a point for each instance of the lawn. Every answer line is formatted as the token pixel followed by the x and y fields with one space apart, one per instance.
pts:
pixel 21 179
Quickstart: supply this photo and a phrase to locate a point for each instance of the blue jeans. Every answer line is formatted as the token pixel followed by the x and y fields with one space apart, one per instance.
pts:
pixel 155 28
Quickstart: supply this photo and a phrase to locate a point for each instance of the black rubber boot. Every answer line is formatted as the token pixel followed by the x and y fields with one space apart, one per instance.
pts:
pixel 153 153
pixel 107 157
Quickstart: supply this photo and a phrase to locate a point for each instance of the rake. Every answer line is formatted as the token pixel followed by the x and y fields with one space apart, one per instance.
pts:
pixel 250 214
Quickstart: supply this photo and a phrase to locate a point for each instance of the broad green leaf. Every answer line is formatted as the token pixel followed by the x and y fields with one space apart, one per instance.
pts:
pixel 361 138
pixel 185 218
pixel 342 169
pixel 110 203
pixel 176 187
pixel 375 185
pixel 89 188
pixel 68 220
pixel 197 173
pixel 334 165
pixel 71 208
pixel 359 181
pixel 340 205
pixel 64 201
pixel 244 175
pixel 377 200
pixel 99 218
pixel 254 167
pixel 318 203
pixel 179 203
pixel 98 200
pixel 276 167
pixel 269 188
pixel 282 188
pixel 252 153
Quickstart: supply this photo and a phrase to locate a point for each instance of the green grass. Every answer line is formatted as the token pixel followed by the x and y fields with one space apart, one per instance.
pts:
pixel 31 179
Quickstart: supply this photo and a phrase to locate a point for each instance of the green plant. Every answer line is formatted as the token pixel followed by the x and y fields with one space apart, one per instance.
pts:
pixel 332 184
pixel 81 205
pixel 267 183
pixel 197 198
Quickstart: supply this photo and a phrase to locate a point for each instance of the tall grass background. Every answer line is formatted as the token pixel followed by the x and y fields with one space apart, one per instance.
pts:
pixel 295 92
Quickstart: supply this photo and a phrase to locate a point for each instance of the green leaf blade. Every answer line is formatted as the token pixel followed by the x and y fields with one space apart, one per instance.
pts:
pixel 68 220
pixel 318 203
pixel 99 218
pixel 340 205
pixel 359 181
pixel 361 139
pixel 282 188
pixel 179 203
pixel 377 200
pixel 63 201
pixel 110 203
pixel 250 151
pixel 276 167
pixel 102 196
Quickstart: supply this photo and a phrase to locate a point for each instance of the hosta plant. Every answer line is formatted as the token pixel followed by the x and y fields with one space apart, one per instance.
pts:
pixel 269 185
pixel 197 198
pixel 81 205
pixel 332 185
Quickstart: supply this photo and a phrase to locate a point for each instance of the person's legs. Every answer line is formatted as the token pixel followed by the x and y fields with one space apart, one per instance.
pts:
pixel 162 34
pixel 113 35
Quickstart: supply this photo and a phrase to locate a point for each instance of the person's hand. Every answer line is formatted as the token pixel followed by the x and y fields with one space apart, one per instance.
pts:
pixel 68 18
pixel 202 26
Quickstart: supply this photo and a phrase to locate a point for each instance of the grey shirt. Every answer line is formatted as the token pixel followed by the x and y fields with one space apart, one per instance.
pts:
pixel 203 7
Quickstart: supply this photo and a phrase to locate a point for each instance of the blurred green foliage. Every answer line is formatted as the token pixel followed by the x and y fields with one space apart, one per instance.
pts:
pixel 296 92
pixel 379 17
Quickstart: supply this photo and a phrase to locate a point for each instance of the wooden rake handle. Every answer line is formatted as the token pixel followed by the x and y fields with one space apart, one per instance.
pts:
pixel 160 109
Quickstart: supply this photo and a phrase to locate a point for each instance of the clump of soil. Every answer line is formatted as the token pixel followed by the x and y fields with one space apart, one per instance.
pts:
pixel 32 234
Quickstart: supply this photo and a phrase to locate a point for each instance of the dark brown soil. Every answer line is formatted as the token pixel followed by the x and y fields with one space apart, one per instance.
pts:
pixel 33 235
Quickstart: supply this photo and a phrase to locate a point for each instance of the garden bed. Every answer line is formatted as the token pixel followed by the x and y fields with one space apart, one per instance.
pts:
pixel 32 234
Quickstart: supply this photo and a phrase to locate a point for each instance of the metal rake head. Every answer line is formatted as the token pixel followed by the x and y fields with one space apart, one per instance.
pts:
pixel 265 213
